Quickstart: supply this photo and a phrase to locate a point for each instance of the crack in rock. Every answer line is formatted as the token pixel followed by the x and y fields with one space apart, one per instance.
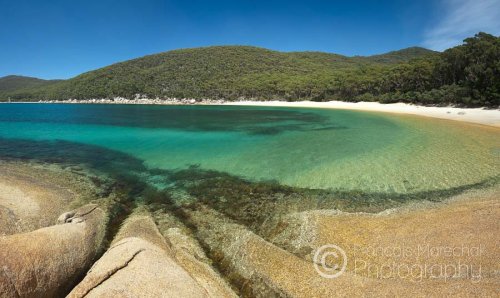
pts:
pixel 102 278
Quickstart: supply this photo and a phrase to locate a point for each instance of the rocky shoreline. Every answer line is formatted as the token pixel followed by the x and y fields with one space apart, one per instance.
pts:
pixel 199 250
pixel 140 101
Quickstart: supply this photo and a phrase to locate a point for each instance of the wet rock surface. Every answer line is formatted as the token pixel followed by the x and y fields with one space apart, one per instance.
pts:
pixel 218 236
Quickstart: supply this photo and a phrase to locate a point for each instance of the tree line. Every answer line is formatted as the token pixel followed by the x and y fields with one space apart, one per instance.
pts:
pixel 466 75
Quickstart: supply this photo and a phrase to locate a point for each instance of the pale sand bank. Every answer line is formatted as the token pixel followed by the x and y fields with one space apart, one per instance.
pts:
pixel 490 117
pixel 477 115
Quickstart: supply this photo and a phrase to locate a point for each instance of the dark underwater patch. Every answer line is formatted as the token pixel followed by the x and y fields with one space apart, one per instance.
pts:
pixel 265 121
pixel 246 201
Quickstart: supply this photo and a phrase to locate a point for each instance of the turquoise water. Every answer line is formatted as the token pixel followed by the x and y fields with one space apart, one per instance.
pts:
pixel 309 148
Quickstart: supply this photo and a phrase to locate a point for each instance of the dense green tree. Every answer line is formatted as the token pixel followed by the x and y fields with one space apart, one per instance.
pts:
pixel 468 75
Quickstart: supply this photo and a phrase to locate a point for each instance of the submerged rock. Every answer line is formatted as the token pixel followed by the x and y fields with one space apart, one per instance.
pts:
pixel 262 269
pixel 48 261
pixel 191 256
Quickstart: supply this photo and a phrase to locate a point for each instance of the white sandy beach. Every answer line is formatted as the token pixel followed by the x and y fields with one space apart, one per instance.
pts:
pixel 490 117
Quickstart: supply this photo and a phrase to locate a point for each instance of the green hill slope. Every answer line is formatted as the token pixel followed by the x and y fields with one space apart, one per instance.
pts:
pixel 212 72
pixel 403 55
pixel 14 83
pixel 243 72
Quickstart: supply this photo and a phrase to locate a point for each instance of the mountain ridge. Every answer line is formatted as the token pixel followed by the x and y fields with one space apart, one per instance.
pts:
pixel 245 72
pixel 424 51
pixel 16 82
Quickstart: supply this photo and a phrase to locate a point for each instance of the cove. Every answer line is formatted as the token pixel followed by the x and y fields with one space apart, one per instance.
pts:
pixel 296 147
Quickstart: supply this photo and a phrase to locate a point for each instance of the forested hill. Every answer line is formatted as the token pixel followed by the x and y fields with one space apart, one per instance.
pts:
pixel 468 74
pixel 403 55
pixel 228 72
pixel 15 83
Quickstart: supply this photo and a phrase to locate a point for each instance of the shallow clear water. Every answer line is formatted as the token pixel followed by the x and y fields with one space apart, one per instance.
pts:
pixel 300 147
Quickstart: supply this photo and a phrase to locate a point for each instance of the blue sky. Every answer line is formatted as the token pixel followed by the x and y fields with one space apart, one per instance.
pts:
pixel 63 38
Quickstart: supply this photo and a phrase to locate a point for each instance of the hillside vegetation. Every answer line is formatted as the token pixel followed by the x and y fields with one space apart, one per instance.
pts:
pixel 16 83
pixel 468 75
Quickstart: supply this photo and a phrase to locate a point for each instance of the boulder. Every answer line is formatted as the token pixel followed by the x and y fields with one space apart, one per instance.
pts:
pixel 47 262
pixel 139 263
pixel 32 197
